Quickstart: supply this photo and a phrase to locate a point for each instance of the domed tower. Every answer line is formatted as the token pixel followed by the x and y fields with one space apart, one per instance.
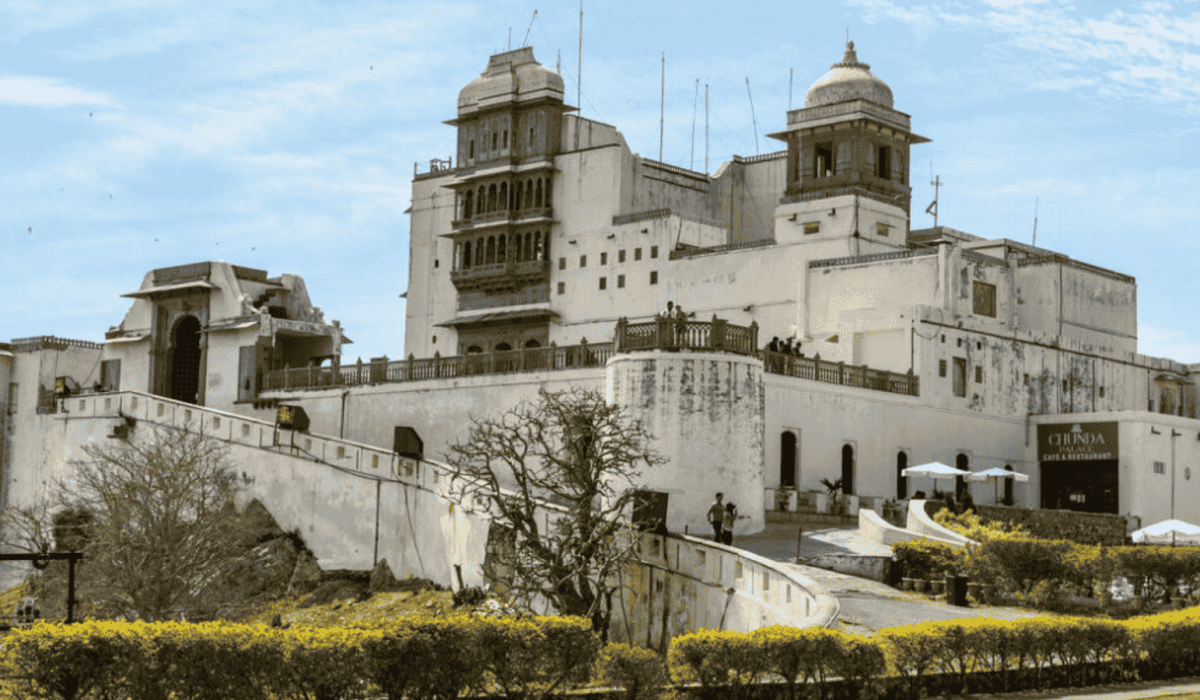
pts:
pixel 848 157
pixel 509 131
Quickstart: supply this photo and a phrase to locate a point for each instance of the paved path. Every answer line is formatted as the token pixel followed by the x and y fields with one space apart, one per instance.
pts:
pixel 866 606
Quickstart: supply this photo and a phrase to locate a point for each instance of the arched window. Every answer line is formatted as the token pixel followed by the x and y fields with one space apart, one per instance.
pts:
pixel 787 458
pixel 537 245
pixel 504 195
pixel 529 193
pixel 185 360
pixel 466 259
pixel 481 201
pixel 847 469
pixel 528 248
pixel 962 461
pixel 520 191
pixel 503 347
pixel 537 198
pixel 547 192
pixel 502 249
pixel 491 205
pixel 532 344
pixel 901 480
pixel 467 202
pixel 519 249
pixel 474 350
pixel 546 247
pixel 491 251
pixel 1008 487
pixel 479 251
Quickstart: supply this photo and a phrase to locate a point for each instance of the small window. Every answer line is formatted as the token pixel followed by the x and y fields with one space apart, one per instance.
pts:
pixel 495 141
pixel 882 229
pixel 1101 392
pixel 941 368
pixel 505 139
pixel 341 452
pixel 960 342
pixel 1160 468
pixel 375 458
pixel 620 281
pixel 653 251
pixel 435 262
pixel 883 163
pixel 620 256
pixel 978 374
pixel 637 253
pixel 985 299
pixel 824 161
pixel 978 344
pixel 562 263
pixel 943 337
pixel 471 149
pixel 654 277
pixel 812 227
pixel 604 258
pixel 1064 386
pixel 604 283
pixel 960 376
pixel 583 261
pixel 245 430
pixel 562 287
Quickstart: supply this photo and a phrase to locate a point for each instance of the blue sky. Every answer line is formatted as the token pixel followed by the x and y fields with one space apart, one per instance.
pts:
pixel 283 136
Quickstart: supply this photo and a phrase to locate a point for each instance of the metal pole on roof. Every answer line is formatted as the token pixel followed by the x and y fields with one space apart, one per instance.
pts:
pixel 662 105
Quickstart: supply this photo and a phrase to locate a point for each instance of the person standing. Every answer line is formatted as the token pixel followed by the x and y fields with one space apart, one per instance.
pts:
pixel 731 516
pixel 716 517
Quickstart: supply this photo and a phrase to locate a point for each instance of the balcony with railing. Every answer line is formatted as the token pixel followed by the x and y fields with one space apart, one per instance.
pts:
pixel 818 370
pixel 383 371
pixel 675 334
pixel 667 334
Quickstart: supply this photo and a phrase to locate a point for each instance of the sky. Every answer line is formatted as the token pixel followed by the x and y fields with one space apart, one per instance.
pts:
pixel 141 134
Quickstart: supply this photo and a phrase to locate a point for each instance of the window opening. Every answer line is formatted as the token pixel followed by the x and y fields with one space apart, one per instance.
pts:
pixel 637 253
pixel 653 251
pixel 562 263
pixel 603 282
pixel 984 296
pixel 654 277
pixel 824 165
pixel 562 287
pixel 620 256
pixel 583 261
pixel 884 163
pixel 604 258
pixel 620 281
pixel 960 376
pixel 978 374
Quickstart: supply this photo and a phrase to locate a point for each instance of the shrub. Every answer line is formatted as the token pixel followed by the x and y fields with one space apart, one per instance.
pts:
pixel 67 662
pixel 970 525
pixel 326 664
pixel 714 658
pixel 798 655
pixel 639 671
pixel 924 559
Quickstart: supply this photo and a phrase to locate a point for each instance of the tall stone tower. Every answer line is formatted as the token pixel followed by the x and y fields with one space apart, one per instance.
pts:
pixel 848 159
pixel 509 131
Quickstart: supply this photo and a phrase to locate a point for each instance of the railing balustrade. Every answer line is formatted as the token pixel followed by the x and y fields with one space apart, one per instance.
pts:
pixel 667 334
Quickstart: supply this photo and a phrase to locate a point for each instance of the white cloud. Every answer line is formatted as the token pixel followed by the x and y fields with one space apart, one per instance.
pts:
pixel 46 92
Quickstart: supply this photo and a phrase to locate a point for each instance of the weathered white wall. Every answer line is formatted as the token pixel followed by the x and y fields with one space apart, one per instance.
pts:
pixel 439 409
pixel 705 411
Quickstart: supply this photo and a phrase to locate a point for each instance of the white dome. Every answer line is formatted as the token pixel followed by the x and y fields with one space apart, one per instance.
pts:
pixel 512 75
pixel 848 80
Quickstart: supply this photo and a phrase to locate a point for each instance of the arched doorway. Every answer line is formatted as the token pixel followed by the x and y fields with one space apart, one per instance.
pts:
pixel 787 458
pixel 901 480
pixel 185 360
pixel 848 469
pixel 960 483
pixel 1008 487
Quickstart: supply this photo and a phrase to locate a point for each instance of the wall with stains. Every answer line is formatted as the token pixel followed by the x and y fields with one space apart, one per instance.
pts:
pixel 706 413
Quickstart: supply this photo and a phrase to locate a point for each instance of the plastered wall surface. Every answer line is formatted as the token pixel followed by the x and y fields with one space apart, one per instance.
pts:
pixel 705 411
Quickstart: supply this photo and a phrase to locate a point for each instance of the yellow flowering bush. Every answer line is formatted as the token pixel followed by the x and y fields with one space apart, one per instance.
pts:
pixel 639 671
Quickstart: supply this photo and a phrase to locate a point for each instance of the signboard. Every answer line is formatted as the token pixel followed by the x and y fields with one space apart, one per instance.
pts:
pixel 1069 442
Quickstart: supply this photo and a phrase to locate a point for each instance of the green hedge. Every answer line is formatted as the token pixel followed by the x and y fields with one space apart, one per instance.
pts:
pixel 925 559
pixel 439 659
pixel 527 658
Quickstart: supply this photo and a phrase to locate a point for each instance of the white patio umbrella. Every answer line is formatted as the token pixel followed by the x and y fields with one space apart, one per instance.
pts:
pixel 934 470
pixel 1168 531
pixel 996 473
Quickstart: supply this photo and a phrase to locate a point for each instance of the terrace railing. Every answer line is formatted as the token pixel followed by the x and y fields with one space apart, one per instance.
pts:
pixel 819 370
pixel 681 334
pixel 383 371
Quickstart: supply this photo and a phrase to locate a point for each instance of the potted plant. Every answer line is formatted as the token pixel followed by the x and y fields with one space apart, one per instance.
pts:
pixel 836 506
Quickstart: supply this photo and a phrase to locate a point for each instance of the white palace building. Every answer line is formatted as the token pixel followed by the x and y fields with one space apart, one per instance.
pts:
pixel 544 254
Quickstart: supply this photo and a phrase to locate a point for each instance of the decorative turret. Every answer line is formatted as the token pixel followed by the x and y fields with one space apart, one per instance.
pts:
pixel 847 140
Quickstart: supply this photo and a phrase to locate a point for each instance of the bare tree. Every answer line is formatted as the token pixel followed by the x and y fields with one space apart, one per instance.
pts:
pixel 162 519
pixel 574 450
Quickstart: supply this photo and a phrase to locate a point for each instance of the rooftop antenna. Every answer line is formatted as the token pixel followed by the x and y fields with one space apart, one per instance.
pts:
pixel 791 74
pixel 1036 202
pixel 662 105
pixel 933 207
pixel 706 128
pixel 695 104
pixel 509 39
pixel 579 82
pixel 753 118
pixel 526 42
pixel 558 66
